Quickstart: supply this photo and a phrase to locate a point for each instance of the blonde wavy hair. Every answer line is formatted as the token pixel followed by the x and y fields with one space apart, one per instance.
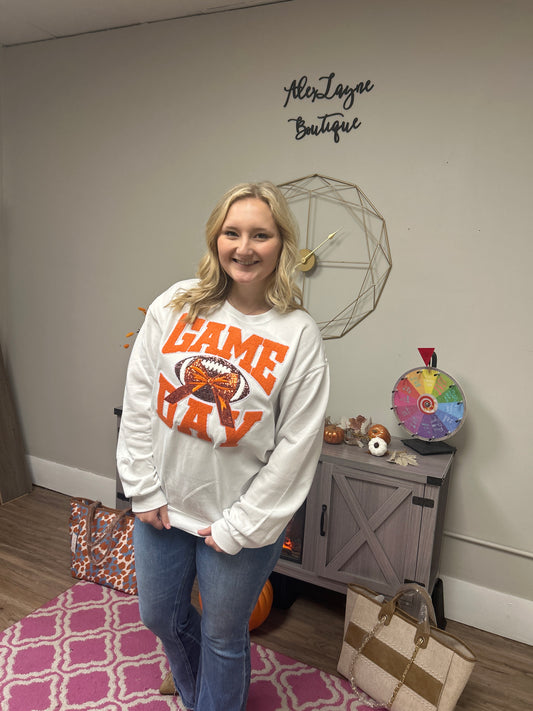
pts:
pixel 212 289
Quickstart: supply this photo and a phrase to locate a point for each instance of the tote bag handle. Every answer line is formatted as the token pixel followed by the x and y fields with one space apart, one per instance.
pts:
pixel 107 534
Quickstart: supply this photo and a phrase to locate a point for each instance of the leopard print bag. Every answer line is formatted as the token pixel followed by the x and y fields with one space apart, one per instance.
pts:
pixel 101 544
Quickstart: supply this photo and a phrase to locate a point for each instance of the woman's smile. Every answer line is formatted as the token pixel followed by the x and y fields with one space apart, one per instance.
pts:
pixel 249 243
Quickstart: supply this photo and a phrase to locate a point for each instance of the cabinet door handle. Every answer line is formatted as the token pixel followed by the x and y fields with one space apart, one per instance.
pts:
pixel 323 520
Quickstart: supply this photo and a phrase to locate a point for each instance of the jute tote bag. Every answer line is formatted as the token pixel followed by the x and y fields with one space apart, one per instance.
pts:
pixel 402 663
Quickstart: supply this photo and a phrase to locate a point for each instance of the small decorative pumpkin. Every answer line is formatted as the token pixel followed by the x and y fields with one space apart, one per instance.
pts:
pixel 333 434
pixel 379 431
pixel 377 446
pixel 262 607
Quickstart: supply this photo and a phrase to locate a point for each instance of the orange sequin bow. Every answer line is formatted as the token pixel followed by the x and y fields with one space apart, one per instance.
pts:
pixel 220 388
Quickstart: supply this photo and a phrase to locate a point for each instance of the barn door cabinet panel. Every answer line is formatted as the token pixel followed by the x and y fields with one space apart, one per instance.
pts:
pixel 373 522
pixel 378 517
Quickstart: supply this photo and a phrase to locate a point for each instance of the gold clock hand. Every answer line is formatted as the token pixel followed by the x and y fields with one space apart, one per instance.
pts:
pixel 309 254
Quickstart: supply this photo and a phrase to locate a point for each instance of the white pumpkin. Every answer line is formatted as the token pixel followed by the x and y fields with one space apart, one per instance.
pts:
pixel 377 446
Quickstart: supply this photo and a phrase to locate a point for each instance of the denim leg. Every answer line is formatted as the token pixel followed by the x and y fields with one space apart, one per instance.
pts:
pixel 229 586
pixel 165 563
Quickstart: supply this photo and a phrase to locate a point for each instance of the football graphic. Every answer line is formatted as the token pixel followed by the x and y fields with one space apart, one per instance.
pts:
pixel 211 379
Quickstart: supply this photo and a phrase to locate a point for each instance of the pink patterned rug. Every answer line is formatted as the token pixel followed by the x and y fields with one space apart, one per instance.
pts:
pixel 88 651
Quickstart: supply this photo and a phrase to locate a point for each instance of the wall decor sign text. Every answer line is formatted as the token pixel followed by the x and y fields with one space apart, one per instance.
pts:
pixel 326 88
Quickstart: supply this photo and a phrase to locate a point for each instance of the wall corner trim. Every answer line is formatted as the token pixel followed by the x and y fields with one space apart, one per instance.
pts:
pixel 72 481
pixel 490 610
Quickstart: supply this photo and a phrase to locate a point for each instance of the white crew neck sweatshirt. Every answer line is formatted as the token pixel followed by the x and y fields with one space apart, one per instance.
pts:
pixel 223 419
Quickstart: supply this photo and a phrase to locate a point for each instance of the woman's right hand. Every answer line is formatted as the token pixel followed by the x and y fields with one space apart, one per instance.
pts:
pixel 158 518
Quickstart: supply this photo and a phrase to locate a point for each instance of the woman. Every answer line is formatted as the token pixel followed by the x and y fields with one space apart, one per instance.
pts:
pixel 220 435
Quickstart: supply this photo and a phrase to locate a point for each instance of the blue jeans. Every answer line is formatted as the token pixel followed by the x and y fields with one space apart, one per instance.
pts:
pixel 209 654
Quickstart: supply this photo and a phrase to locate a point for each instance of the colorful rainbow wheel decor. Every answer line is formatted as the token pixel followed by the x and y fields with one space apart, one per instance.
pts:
pixel 429 404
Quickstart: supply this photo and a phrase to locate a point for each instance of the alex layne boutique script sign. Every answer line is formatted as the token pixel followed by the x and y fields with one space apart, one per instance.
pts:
pixel 326 89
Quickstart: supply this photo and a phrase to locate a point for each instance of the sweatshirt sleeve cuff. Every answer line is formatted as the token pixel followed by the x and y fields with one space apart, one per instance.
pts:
pixel 149 502
pixel 223 538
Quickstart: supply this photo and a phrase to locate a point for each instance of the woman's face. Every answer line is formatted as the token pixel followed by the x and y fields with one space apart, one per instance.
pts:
pixel 249 243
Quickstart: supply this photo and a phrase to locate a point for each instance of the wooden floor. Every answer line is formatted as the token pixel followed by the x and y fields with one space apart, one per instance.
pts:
pixel 35 567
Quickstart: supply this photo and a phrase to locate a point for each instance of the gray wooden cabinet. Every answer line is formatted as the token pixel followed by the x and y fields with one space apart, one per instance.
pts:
pixel 370 521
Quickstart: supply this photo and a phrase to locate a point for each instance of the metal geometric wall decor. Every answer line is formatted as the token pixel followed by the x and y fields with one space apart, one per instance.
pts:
pixel 345 255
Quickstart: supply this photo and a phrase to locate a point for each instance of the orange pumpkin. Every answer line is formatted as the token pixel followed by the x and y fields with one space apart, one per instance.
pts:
pixel 262 607
pixel 333 434
pixel 379 431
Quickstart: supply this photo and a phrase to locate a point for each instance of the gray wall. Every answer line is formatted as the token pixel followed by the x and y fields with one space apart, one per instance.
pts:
pixel 116 145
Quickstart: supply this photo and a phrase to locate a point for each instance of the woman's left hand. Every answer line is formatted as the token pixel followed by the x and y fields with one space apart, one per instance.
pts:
pixel 209 540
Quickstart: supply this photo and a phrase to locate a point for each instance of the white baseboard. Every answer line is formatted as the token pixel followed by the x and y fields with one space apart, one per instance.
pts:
pixel 486 609
pixel 490 610
pixel 71 481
